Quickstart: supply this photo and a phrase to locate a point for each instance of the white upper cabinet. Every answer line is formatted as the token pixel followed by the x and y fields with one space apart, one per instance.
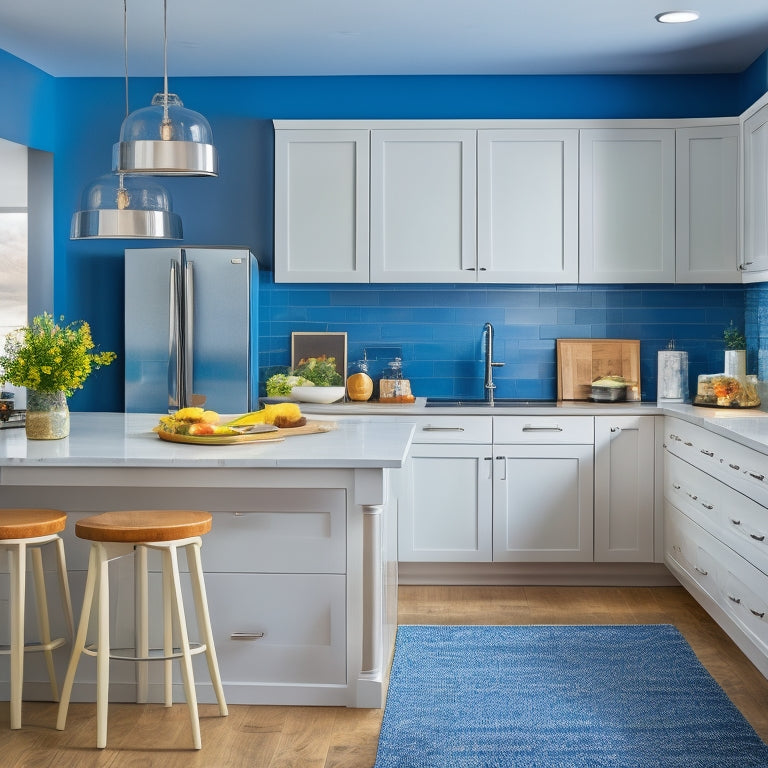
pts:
pixel 756 192
pixel 423 206
pixel 707 204
pixel 321 206
pixel 627 205
pixel 527 206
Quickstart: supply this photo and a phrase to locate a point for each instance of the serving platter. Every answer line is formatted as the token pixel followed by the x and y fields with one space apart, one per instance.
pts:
pixel 276 435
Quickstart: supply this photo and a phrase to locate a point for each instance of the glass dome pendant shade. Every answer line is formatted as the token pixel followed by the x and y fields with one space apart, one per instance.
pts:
pixel 166 138
pixel 117 206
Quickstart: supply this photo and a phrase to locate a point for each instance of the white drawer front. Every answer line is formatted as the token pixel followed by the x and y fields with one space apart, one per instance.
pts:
pixel 453 429
pixel 308 537
pixel 279 628
pixel 543 429
pixel 737 465
pixel 736 519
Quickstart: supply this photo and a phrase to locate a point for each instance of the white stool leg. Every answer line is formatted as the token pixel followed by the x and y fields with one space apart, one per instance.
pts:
pixel 66 598
pixel 171 560
pixel 79 642
pixel 204 623
pixel 167 630
pixel 102 650
pixel 142 623
pixel 43 622
pixel 17 562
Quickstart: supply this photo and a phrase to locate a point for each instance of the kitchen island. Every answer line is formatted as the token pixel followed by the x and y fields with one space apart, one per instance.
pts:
pixel 301 565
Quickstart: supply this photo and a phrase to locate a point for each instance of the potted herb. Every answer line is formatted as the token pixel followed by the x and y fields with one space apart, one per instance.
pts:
pixel 735 352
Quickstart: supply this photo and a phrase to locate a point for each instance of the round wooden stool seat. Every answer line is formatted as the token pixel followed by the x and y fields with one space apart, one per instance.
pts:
pixel 144 525
pixel 30 523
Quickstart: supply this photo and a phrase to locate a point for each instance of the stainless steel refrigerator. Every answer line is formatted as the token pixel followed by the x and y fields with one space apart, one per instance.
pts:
pixel 191 329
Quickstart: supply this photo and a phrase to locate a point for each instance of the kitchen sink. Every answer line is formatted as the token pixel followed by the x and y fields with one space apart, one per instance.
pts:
pixel 499 402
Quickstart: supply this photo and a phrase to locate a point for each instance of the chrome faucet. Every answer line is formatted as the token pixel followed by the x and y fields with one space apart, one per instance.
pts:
pixel 489 363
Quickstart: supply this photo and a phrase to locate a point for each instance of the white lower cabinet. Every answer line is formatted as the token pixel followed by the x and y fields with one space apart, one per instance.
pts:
pixel 716 530
pixel 625 449
pixel 487 489
pixel 542 498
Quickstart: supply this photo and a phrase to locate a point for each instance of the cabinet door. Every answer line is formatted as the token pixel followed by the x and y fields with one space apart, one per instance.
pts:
pixel 527 206
pixel 446 513
pixel 707 198
pixel 321 206
pixel 624 488
pixel 756 191
pixel 423 206
pixel 542 503
pixel 627 206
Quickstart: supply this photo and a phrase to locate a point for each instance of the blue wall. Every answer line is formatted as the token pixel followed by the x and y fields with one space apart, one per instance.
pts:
pixel 80 119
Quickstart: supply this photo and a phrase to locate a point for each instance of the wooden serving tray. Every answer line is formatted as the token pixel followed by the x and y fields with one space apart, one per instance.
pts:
pixel 274 436
pixel 581 361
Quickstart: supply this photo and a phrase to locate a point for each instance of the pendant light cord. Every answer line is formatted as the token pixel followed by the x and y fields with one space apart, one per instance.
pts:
pixel 165 59
pixel 125 52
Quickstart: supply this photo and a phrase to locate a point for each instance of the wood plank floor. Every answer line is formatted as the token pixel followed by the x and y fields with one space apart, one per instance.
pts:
pixel 146 736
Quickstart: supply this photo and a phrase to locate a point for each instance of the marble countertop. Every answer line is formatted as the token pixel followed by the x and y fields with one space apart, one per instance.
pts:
pixel 127 440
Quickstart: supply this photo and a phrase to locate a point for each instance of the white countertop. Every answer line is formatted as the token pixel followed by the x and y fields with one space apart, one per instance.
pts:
pixel 127 440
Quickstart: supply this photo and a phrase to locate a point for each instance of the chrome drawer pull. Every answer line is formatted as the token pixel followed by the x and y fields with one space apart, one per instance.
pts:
pixel 756 537
pixel 759 614
pixel 734 466
pixel 675 437
pixel 733 599
pixel 442 429
pixel 735 522
pixel 707 453
pixel 690 445
pixel 676 486
pixel 756 477
pixel 246 636
pixel 692 495
pixel 701 570
pixel 707 506
pixel 530 428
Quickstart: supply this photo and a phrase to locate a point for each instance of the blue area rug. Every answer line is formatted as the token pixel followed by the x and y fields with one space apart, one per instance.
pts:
pixel 558 697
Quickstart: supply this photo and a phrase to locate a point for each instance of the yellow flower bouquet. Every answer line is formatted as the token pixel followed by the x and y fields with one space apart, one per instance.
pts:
pixel 48 357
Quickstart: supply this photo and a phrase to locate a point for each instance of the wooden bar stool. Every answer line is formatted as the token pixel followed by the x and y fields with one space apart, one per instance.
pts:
pixel 114 535
pixel 23 530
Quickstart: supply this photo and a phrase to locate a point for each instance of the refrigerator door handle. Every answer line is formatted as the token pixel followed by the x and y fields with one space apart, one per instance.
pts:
pixel 175 363
pixel 189 330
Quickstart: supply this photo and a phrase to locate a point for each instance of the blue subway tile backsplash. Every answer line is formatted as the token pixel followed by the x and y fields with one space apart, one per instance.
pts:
pixel 437 329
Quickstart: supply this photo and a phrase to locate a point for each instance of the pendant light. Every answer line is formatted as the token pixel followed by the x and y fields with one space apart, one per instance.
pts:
pixel 165 138
pixel 117 206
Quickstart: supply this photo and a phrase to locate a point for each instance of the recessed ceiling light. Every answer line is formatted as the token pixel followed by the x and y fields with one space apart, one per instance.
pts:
pixel 677 17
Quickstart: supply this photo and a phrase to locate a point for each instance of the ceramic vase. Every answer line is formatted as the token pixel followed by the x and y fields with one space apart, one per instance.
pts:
pixel 47 415
pixel 736 363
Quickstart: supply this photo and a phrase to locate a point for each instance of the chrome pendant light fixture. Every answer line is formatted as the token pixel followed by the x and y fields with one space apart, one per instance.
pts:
pixel 117 206
pixel 165 138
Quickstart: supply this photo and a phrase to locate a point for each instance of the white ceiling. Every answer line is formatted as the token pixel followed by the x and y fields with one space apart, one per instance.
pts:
pixel 81 38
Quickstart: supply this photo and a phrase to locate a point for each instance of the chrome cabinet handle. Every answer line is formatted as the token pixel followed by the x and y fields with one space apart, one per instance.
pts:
pixel 756 477
pixel 701 570
pixel 692 496
pixel 759 614
pixel 246 636
pixel 734 466
pixel 734 521
pixel 533 428
pixel 733 599
pixel 707 506
pixel 676 486
pixel 707 453
pixel 442 429
pixel 690 445
pixel 756 537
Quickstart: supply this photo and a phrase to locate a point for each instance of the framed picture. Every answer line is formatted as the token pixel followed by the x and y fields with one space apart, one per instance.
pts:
pixel 331 344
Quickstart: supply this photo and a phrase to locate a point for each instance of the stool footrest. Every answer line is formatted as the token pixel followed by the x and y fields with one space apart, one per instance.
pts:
pixel 156 654
pixel 36 646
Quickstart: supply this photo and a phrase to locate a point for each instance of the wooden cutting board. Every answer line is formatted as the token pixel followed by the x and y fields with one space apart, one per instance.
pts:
pixel 277 435
pixel 581 361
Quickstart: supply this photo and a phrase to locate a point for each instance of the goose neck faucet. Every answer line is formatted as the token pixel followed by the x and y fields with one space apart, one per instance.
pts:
pixel 489 386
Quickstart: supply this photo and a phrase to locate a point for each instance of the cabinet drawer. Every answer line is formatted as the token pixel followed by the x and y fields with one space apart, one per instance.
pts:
pixel 543 429
pixel 740 522
pixel 736 465
pixel 454 429
pixel 305 533
pixel 279 628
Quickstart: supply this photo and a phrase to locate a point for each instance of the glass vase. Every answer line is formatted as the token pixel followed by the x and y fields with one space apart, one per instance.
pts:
pixel 47 415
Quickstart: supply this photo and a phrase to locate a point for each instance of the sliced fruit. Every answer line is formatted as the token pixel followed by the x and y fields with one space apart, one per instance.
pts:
pixel 255 417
